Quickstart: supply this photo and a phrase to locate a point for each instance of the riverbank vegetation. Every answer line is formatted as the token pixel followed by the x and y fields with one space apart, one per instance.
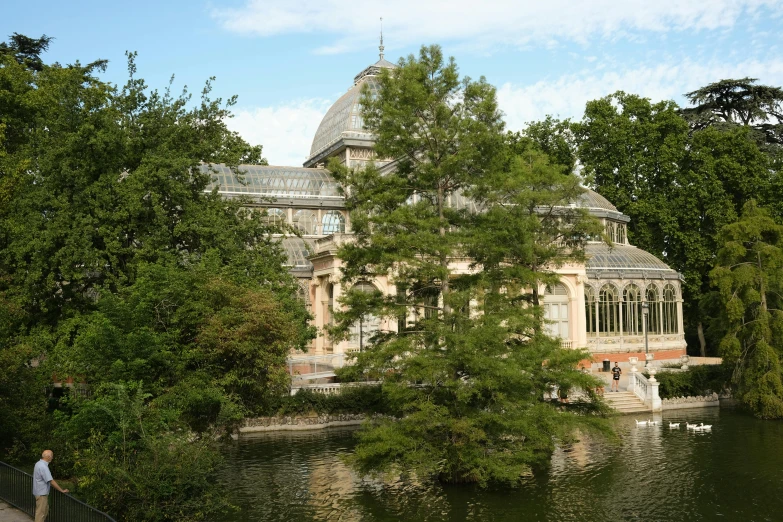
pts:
pixel 697 380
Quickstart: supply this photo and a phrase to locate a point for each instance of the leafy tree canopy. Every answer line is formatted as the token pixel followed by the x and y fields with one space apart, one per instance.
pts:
pixel 678 187
pixel 119 268
pixel 738 102
pixel 469 365
pixel 749 283
pixel 25 50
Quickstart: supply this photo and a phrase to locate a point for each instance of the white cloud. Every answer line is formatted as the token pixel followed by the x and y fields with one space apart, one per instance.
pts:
pixel 286 131
pixel 566 96
pixel 484 24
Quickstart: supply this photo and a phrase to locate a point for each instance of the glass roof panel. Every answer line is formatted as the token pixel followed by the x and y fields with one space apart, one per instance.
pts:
pixel 268 181
pixel 592 199
pixel 621 257
pixel 297 250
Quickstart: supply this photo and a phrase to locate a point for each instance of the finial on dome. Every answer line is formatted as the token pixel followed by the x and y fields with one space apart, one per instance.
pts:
pixel 380 47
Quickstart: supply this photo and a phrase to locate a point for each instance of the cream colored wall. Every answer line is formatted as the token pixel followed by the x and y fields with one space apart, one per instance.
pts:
pixel 573 277
pixel 327 270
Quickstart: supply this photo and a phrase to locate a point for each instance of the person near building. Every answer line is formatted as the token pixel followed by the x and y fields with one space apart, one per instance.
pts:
pixel 616 371
pixel 42 481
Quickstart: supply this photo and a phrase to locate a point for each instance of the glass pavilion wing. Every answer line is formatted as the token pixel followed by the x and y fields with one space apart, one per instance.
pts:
pixel 267 181
pixel 297 250
pixel 621 257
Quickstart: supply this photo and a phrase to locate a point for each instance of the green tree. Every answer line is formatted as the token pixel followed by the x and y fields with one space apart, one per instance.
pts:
pixel 740 102
pixel 174 328
pixel 748 280
pixel 118 266
pixel 679 188
pixel 25 50
pixel 555 138
pixel 728 105
pixel 467 371
pixel 527 220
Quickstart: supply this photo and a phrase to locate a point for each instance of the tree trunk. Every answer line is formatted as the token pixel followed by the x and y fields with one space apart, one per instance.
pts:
pixel 702 341
pixel 444 258
pixel 762 289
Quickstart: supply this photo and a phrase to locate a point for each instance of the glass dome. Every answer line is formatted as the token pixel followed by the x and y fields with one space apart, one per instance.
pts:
pixel 592 199
pixel 268 181
pixel 344 118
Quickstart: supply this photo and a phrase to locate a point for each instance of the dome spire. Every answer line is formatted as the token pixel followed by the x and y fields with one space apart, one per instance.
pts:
pixel 380 47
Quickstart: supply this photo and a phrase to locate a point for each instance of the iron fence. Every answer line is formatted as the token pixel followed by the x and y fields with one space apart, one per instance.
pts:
pixel 16 488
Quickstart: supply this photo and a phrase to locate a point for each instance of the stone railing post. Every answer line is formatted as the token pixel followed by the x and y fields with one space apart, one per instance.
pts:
pixel 653 398
pixel 632 376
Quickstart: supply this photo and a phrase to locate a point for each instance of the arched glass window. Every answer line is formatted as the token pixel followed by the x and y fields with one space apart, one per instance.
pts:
pixel 556 311
pixel 303 292
pixel 620 234
pixel 366 326
pixel 333 222
pixel 608 311
pixel 307 222
pixel 590 311
pixel 275 217
pixel 670 319
pixel 610 231
pixel 654 309
pixel 632 310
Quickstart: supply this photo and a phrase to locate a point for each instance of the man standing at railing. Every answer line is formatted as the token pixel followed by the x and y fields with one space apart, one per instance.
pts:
pixel 42 480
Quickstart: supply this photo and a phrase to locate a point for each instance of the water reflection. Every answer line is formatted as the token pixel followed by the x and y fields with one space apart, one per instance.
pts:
pixel 651 473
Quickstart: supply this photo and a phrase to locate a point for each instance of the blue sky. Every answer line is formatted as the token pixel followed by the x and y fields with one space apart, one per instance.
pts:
pixel 289 60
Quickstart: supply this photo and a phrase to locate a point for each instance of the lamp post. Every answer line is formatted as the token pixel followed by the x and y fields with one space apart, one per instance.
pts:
pixel 645 311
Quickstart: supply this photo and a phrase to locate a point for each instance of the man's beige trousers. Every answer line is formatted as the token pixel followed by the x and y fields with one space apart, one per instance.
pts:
pixel 41 508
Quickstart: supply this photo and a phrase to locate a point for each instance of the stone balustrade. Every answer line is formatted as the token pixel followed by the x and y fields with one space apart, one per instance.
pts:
pixel 644 388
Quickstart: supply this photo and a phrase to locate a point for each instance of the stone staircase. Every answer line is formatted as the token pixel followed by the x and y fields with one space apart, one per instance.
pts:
pixel 625 402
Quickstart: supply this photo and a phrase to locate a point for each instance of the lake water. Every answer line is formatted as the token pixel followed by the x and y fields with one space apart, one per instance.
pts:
pixel 733 473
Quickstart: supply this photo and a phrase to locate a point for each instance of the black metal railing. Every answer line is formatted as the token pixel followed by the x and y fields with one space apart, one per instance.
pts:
pixel 16 488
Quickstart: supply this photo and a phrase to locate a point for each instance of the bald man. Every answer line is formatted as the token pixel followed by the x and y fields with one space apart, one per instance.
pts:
pixel 42 479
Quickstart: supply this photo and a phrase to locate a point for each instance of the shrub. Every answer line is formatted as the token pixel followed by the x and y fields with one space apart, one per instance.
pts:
pixel 698 380
pixel 354 399
pixel 138 460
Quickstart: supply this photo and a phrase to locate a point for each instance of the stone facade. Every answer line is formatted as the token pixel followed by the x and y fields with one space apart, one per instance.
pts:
pixel 699 401
pixel 300 422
